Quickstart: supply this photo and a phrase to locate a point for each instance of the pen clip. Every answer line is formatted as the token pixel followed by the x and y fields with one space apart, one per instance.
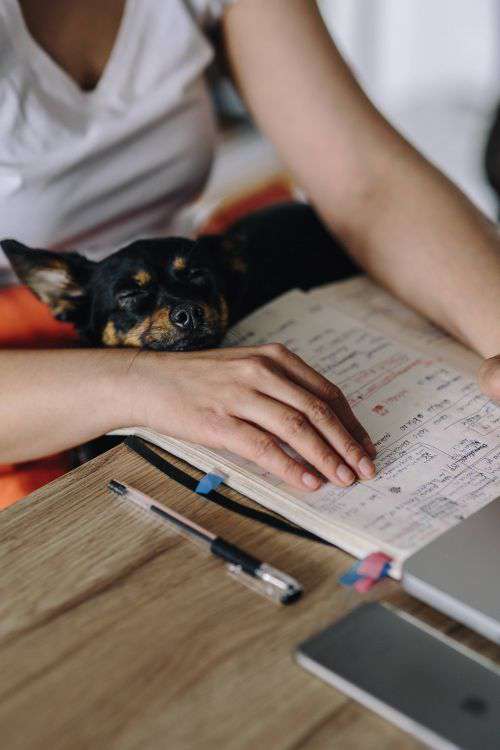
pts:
pixel 282 590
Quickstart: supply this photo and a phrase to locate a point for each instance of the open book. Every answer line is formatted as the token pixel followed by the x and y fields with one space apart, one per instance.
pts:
pixel 437 436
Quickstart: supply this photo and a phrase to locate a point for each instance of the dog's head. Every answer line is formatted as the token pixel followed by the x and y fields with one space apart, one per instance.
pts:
pixel 169 294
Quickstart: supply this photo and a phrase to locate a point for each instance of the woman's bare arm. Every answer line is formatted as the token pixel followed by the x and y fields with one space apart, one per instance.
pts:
pixel 54 400
pixel 245 400
pixel 398 215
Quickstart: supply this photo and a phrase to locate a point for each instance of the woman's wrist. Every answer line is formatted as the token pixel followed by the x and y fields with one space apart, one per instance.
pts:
pixel 137 386
pixel 76 395
pixel 117 385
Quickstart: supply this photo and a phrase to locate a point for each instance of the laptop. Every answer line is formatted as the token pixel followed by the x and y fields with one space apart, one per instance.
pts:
pixel 459 572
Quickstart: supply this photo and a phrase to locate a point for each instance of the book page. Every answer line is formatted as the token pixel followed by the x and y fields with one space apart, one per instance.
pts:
pixel 362 299
pixel 438 437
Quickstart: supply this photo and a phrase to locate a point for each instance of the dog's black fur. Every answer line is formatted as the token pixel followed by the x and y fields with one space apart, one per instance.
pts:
pixel 175 294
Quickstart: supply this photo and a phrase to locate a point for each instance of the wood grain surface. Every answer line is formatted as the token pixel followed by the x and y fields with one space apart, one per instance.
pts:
pixel 116 633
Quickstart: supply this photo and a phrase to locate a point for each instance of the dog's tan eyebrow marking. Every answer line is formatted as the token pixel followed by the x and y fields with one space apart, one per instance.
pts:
pixel 238 265
pixel 231 250
pixel 179 263
pixel 142 277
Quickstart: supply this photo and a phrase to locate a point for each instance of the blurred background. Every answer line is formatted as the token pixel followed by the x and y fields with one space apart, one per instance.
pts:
pixel 431 66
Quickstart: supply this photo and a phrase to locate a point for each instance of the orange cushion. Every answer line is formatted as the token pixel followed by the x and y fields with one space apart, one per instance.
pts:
pixel 277 190
pixel 26 323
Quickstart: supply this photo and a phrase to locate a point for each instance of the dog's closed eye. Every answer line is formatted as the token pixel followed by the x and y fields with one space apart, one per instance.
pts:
pixel 197 276
pixel 132 297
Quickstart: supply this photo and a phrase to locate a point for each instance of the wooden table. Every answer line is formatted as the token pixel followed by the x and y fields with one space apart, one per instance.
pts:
pixel 115 633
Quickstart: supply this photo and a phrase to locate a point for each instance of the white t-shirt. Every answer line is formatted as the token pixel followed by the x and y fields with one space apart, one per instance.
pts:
pixel 93 170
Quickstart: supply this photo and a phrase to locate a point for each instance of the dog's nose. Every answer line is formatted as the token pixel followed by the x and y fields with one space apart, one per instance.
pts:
pixel 186 316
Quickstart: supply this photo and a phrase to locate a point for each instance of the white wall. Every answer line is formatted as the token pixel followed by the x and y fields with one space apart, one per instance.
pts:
pixel 433 67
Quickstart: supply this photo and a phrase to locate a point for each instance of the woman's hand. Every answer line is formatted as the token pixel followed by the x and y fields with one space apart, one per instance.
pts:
pixel 248 400
pixel 489 377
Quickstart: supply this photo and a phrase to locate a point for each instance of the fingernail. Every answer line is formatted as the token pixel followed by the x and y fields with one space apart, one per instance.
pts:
pixel 310 481
pixel 370 447
pixel 345 474
pixel 367 467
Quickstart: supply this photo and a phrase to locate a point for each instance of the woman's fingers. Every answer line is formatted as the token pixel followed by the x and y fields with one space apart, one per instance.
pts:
pixel 261 448
pixel 321 416
pixel 489 377
pixel 275 390
pixel 272 381
pixel 302 374
pixel 294 428
pixel 346 415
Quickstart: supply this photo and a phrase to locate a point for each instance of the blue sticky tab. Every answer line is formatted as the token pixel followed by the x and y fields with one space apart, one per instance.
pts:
pixel 208 483
pixel 385 570
pixel 351 576
pixel 364 574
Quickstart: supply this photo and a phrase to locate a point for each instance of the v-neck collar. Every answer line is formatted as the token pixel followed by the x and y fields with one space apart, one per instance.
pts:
pixel 41 60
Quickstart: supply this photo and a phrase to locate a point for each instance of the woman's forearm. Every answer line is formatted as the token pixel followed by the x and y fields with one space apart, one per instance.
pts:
pixel 246 400
pixel 426 242
pixel 399 217
pixel 54 400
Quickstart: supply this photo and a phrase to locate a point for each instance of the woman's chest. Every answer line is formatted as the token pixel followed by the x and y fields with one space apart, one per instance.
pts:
pixel 79 37
pixel 93 169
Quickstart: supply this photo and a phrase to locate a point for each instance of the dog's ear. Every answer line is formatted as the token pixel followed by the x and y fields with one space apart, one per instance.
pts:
pixel 211 242
pixel 230 249
pixel 58 279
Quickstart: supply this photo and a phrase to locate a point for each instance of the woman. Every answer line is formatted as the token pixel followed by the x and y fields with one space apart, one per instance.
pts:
pixel 107 130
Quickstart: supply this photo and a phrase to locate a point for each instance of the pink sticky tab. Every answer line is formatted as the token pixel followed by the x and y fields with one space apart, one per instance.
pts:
pixel 365 584
pixel 373 565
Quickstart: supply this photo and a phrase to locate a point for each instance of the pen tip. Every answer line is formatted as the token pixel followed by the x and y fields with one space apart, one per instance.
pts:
pixel 117 487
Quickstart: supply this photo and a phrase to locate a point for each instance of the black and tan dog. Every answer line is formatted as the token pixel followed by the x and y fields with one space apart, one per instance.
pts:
pixel 175 294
